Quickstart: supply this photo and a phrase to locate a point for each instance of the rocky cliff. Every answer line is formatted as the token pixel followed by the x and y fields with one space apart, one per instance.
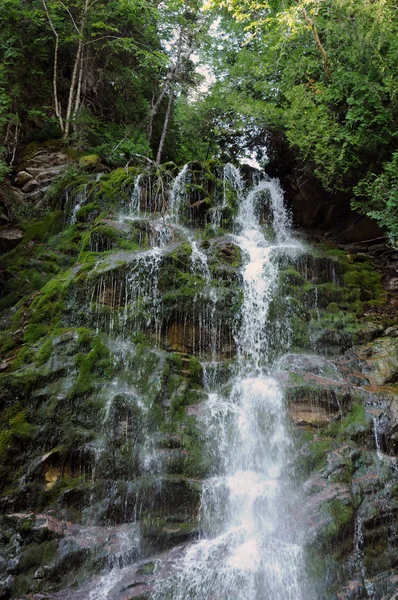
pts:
pixel 106 344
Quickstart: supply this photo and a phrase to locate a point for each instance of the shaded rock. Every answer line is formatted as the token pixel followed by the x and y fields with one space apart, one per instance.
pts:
pixel 392 285
pixel 30 186
pixel 22 178
pixel 46 174
pixel 191 338
pixel 383 361
pixel 46 159
pixel 10 238
pixel 392 331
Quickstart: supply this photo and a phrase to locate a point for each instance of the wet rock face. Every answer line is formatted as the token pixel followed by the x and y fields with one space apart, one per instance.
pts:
pixel 102 385
pixel 347 422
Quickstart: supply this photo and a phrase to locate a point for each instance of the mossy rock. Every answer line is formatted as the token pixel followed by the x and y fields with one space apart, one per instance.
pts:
pixel 89 161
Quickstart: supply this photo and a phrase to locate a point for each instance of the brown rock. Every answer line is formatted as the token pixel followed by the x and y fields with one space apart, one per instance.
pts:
pixel 309 415
pixel 10 238
pixel 46 173
pixel 22 178
pixel 31 186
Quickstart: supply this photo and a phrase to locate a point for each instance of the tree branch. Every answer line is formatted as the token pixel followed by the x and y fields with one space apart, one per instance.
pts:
pixel 325 60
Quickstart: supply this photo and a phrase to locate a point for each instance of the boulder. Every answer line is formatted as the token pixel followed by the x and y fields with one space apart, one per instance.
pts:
pixel 10 238
pixel 30 186
pixel 22 178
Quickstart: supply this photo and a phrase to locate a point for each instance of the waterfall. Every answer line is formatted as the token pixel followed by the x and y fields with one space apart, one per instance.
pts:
pixel 135 200
pixel 377 436
pixel 358 546
pixel 250 548
pixel 232 176
pixel 79 201
pixel 178 192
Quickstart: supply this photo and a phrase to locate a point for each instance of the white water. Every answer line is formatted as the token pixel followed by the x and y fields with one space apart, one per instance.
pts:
pixel 358 544
pixel 178 193
pixel 377 436
pixel 79 201
pixel 135 200
pixel 250 548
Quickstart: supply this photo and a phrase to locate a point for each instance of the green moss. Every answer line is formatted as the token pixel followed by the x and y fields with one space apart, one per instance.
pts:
pixel 49 304
pixel 95 363
pixel 24 356
pixel 318 450
pixel 363 275
pixel 34 332
pixel 341 512
pixel 14 428
pixel 45 351
pixel 43 230
pixel 36 555
pixel 333 307
pixel 21 585
pixel 316 565
pixel 88 212
pixel 300 332
pixel 89 161
pixel 354 424
pixel 147 569
pixel 85 336
pixel 290 276
pixel 25 526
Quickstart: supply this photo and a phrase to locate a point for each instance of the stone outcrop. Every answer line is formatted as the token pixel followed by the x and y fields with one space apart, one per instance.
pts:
pixel 99 381
pixel 27 190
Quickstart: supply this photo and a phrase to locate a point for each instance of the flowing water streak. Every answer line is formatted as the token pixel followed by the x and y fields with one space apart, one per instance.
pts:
pixel 250 549
pixel 232 177
pixel 178 193
pixel 79 201
pixel 377 436
pixel 231 180
pixel 142 293
pixel 135 200
pixel 358 545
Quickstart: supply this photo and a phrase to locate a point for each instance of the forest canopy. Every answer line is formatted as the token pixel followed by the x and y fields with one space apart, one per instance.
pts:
pixel 120 77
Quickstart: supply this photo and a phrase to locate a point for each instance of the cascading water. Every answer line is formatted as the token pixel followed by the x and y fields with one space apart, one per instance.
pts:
pixel 135 200
pixel 250 549
pixel 178 193
pixel 79 201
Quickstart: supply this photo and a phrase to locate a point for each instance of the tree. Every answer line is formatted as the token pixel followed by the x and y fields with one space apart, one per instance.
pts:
pixel 96 59
pixel 323 73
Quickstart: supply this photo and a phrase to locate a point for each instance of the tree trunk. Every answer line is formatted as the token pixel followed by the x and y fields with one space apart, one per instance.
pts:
pixel 74 74
pixel 169 83
pixel 55 75
pixel 165 126
pixel 79 86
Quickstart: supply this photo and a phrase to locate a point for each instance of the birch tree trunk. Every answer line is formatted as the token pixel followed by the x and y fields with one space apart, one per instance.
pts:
pixel 169 83
pixel 75 70
pixel 79 86
pixel 165 126
pixel 55 74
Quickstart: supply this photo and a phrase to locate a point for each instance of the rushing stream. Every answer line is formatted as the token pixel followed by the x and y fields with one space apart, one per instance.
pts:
pixel 250 547
pixel 250 544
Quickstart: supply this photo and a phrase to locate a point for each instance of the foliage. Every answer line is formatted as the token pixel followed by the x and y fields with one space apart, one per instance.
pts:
pixel 103 60
pixel 268 60
pixel 381 194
